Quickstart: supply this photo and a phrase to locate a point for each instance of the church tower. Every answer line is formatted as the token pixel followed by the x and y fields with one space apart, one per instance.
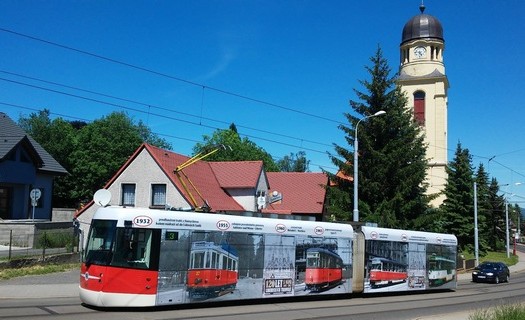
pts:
pixel 422 77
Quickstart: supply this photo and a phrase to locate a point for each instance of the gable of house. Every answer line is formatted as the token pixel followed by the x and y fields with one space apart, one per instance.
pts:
pixel 244 181
pixel 12 135
pixel 151 166
pixel 24 166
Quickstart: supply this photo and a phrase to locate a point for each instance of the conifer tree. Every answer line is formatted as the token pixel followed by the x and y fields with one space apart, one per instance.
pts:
pixel 484 209
pixel 392 163
pixel 496 216
pixel 458 207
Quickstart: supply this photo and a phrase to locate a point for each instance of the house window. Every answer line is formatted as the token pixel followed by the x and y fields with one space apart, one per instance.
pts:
pixel 128 194
pixel 419 107
pixel 158 195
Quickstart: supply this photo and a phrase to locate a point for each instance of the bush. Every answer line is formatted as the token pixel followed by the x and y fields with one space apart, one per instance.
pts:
pixel 58 239
pixel 504 312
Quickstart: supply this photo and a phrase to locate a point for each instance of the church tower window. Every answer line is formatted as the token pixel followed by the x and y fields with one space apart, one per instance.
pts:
pixel 419 107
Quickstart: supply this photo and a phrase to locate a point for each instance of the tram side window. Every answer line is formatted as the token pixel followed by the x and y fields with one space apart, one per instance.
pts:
pixel 207 260
pixel 133 248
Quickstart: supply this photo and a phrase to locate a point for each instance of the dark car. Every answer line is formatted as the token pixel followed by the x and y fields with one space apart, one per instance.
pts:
pixel 491 272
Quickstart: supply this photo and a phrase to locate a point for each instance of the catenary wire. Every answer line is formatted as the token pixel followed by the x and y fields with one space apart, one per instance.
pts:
pixel 148 105
pixel 237 95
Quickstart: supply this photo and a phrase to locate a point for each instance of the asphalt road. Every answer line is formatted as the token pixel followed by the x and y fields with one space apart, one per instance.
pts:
pixel 55 296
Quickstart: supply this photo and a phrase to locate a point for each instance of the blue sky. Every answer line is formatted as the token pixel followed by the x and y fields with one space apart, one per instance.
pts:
pixel 282 71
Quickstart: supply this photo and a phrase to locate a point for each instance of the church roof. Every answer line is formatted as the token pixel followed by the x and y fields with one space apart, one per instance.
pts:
pixel 434 74
pixel 422 26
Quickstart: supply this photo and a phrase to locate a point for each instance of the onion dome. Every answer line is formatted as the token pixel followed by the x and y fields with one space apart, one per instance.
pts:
pixel 422 26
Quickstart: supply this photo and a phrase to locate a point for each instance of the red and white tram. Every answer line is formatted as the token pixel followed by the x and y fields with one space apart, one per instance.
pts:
pixel 141 257
pixel 386 272
pixel 324 269
pixel 213 270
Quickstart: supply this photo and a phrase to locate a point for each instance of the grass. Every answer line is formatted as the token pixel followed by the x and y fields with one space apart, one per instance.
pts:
pixel 495 256
pixel 504 312
pixel 6 274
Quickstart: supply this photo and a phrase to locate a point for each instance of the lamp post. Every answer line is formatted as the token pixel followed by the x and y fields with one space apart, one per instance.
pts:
pixel 356 150
pixel 476 239
pixel 507 221
pixel 507 226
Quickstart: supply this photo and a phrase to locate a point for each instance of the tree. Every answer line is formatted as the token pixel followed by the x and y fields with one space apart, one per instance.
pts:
pixel 103 147
pixel 237 149
pixel 294 163
pixel 484 209
pixel 497 216
pixel 151 138
pixel 92 153
pixel 58 138
pixel 458 207
pixel 392 163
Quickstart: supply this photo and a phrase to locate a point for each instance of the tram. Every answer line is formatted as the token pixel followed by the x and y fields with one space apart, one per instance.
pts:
pixel 386 272
pixel 142 257
pixel 212 271
pixel 440 270
pixel 324 269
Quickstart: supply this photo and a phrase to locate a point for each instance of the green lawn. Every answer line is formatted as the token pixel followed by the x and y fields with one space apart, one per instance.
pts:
pixel 495 256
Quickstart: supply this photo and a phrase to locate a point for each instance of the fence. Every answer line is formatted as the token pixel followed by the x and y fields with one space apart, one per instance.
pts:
pixel 37 239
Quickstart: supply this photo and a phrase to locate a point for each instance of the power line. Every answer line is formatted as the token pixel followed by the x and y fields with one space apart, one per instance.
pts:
pixel 126 64
pixel 148 105
pixel 168 135
pixel 144 69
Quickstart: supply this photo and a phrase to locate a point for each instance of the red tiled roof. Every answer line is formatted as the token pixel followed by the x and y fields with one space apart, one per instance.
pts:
pixel 237 174
pixel 201 175
pixel 302 192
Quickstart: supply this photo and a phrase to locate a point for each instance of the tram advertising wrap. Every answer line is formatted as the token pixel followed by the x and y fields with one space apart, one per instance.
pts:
pixel 143 257
pixel 403 260
pixel 171 257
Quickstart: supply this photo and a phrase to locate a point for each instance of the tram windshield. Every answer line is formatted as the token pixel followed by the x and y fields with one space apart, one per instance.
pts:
pixel 312 260
pixel 124 247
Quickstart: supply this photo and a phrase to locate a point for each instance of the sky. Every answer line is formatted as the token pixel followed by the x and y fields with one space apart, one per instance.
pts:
pixel 282 71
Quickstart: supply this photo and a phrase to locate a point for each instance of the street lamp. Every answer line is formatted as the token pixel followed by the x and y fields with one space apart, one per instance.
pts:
pixel 476 244
pixel 356 149
pixel 507 220
pixel 476 239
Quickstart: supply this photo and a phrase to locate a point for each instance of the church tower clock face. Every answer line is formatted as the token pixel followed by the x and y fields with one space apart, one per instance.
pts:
pixel 420 52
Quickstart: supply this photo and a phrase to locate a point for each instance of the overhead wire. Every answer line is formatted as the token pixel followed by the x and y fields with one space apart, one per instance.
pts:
pixel 149 105
pixel 157 133
pixel 193 83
